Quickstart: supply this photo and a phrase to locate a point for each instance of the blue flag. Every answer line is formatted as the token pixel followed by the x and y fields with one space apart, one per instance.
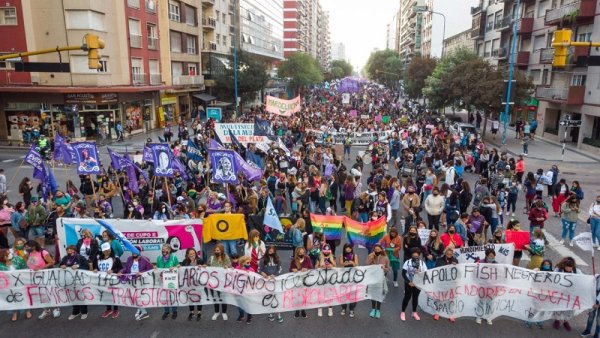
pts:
pixel 235 141
pixel 119 235
pixel 147 155
pixel 193 151
pixel 63 152
pixel 271 219
pixel 255 158
pixel 263 128
pixel 34 158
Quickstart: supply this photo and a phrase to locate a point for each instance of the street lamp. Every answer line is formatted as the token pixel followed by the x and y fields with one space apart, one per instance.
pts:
pixel 511 66
pixel 235 68
pixel 426 9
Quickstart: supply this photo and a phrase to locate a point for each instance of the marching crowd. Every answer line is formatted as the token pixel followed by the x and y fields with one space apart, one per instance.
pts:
pixel 416 177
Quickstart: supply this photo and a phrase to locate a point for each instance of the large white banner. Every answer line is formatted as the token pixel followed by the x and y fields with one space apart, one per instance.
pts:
pixel 475 254
pixel 492 290
pixel 25 289
pixel 150 235
pixel 244 132
pixel 282 107
pixel 364 138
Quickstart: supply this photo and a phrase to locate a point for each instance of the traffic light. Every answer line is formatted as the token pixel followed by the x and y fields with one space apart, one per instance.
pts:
pixel 92 44
pixel 560 42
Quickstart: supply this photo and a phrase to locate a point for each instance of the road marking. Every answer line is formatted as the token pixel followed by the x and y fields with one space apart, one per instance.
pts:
pixel 562 250
pixel 154 334
pixel 8 161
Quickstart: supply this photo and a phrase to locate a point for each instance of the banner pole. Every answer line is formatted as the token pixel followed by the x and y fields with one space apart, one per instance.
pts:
pixel 166 188
pixel 15 174
pixel 153 196
pixel 593 262
pixel 94 189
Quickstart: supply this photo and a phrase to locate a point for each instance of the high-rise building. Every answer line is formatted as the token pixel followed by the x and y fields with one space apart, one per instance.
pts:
pixel 442 19
pixel 562 93
pixel 338 51
pixel 306 29
pixel 219 26
pixel 261 28
pixel 392 33
pixel 411 26
pixel 81 101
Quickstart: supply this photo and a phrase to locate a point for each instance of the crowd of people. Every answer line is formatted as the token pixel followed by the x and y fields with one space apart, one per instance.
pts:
pixel 417 176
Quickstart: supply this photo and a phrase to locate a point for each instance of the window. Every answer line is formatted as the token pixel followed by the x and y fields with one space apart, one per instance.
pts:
pixel 175 42
pixel 155 77
pixel 539 42
pixel 174 11
pixel 78 19
pixel 218 14
pixel 103 66
pixel 191 44
pixel 137 72
pixel 224 17
pixel 584 37
pixel 545 77
pixel 151 6
pixel 192 69
pixel 133 3
pixel 176 69
pixel 535 76
pixel 4 64
pixel 543 5
pixel 79 65
pixel 8 16
pixel 218 39
pixel 190 16
pixel 135 33
pixel 224 40
pixel 152 36
pixel 578 80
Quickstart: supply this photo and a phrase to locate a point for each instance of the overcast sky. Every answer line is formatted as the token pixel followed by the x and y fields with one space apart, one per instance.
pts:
pixel 361 25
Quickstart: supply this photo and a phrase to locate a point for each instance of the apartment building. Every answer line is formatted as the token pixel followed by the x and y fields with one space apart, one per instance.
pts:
pixel 411 28
pixel 306 29
pixel 571 92
pixel 79 101
pixel 219 32
pixel 338 51
pixel 461 40
pixel 261 28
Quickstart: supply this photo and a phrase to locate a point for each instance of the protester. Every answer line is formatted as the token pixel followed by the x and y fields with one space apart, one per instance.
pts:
pixel 392 243
pixel 410 268
pixel 135 265
pixel 107 263
pixel 75 261
pixel 377 257
pixel 12 262
pixel 300 263
pixel 270 267
pixel 349 259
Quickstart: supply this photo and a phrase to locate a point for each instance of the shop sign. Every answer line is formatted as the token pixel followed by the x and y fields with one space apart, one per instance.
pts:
pixel 91 97
pixel 168 100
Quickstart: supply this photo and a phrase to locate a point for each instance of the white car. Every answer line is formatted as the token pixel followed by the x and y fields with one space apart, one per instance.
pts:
pixel 460 129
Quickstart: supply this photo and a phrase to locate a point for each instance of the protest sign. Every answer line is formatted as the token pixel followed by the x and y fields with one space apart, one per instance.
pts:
pixel 86 155
pixel 25 289
pixel 474 254
pixel 363 138
pixel 518 238
pixel 162 156
pixel 424 235
pixel 170 279
pixel 282 107
pixel 224 166
pixel 150 235
pixel 493 290
pixel 271 236
pixel 346 98
pixel 244 132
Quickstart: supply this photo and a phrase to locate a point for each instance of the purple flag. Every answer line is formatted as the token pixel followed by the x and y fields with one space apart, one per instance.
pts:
pixel 163 160
pixel 251 172
pixel 87 158
pixel 147 155
pixel 224 166
pixel 133 183
pixel 63 152
pixel 116 161
pixel 34 158
pixel 214 144
pixel 179 167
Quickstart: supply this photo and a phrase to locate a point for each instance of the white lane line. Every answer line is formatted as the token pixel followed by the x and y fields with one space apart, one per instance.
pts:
pixel 154 334
pixel 562 250
pixel 8 161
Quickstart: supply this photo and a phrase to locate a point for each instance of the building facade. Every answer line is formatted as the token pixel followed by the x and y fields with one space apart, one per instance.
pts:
pixel 306 29
pixel 410 29
pixel 80 102
pixel 261 28
pixel 338 51
pixel 461 40
pixel 562 93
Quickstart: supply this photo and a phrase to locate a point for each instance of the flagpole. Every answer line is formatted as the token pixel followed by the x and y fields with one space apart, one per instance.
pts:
pixel 94 189
pixel 153 194
pixel 121 190
pixel 168 192
pixel 15 174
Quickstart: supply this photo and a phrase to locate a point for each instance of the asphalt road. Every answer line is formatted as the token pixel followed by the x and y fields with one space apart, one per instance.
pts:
pixel 360 326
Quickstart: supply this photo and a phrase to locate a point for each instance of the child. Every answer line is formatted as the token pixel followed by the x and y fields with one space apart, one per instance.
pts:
pixel 536 249
pixel 244 265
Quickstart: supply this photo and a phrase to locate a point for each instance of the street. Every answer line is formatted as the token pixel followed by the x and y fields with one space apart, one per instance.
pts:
pixel 388 325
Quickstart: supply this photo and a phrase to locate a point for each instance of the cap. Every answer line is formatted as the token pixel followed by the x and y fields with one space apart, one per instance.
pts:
pixel 105 247
pixel 180 199
pixel 34 199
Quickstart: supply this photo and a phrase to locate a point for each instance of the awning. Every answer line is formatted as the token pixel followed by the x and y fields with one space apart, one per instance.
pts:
pixel 220 104
pixel 204 97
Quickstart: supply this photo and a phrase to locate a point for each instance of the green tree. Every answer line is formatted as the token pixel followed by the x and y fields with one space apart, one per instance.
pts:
pixel 302 70
pixel 385 67
pixel 344 65
pixel 418 70
pixel 252 77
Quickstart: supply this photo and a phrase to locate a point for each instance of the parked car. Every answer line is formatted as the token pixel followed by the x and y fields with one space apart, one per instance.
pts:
pixel 459 129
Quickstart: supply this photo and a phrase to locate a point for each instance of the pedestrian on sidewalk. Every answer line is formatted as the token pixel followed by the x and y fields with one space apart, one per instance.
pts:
pixel 525 143
pixel 570 215
pixel 495 127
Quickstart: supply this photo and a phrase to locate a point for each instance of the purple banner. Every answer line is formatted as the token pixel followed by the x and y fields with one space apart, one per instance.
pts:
pixel 163 160
pixel 87 158
pixel 224 166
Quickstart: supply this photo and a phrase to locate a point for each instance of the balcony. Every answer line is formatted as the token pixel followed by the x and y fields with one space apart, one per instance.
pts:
pixel 546 55
pixel 152 43
pixel 522 59
pixel 504 23
pixel 135 41
pixel 209 47
pixel 188 80
pixel 525 26
pixel 575 11
pixel 231 9
pixel 572 95
pixel 475 10
pixel 209 23
pixel 155 79
pixel 208 3
pixel 138 79
pixel 478 26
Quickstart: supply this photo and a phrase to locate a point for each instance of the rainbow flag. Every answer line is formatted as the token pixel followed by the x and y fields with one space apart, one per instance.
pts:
pixel 330 225
pixel 365 234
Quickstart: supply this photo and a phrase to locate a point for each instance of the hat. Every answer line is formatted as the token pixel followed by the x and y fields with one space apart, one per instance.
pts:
pixel 105 247
pixel 508 167
pixel 180 199
pixel 33 199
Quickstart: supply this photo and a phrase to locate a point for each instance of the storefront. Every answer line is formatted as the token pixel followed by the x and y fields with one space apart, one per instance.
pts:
pixel 167 112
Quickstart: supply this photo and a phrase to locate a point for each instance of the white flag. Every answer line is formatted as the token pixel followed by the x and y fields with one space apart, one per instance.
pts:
pixel 584 241
pixel 283 147
pixel 271 219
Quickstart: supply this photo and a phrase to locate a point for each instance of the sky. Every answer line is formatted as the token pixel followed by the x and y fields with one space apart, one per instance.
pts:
pixel 362 25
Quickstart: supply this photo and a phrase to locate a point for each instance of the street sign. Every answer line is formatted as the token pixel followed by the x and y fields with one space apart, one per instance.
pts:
pixel 214 112
pixel 570 123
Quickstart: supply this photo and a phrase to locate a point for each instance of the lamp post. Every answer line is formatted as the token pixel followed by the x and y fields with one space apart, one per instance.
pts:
pixel 511 66
pixel 426 9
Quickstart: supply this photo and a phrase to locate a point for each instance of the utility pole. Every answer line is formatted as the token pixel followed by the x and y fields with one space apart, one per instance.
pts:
pixel 504 117
pixel 235 67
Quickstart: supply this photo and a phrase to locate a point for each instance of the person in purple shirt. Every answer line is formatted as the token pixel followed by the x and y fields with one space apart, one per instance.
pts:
pixel 133 268
pixel 476 225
